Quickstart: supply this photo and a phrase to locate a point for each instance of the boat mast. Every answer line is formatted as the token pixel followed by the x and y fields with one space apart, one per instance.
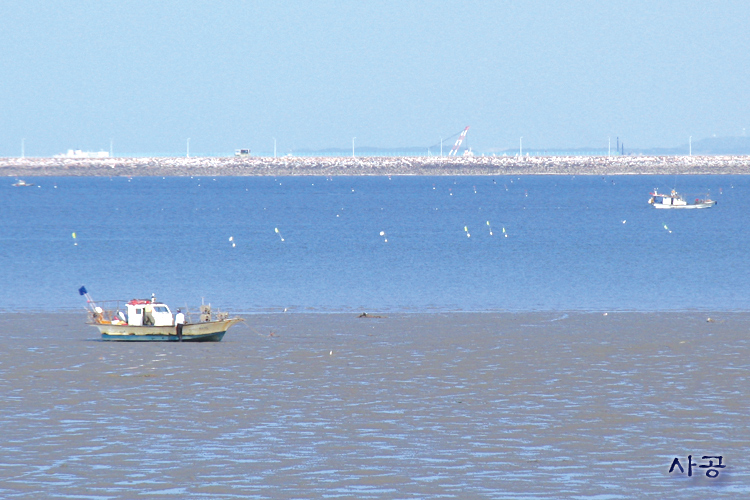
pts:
pixel 89 300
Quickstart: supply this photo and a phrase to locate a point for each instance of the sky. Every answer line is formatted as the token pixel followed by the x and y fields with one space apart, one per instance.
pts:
pixel 144 76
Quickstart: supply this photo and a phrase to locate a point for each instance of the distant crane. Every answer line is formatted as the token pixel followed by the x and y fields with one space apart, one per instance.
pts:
pixel 461 138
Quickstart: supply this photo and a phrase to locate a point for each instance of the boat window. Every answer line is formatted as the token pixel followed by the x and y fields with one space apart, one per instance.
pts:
pixel 160 309
pixel 139 311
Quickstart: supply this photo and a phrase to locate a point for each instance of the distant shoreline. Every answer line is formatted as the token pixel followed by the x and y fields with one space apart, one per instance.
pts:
pixel 377 166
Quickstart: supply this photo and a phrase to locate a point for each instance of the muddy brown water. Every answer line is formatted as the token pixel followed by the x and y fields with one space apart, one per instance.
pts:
pixel 542 405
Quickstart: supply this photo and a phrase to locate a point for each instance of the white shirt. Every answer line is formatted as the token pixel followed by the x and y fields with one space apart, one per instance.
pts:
pixel 179 319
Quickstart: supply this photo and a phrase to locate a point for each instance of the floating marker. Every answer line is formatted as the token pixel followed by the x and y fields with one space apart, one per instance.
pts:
pixel 382 233
pixel 665 227
pixel 231 238
pixel 624 221
pixel 466 229
pixel 74 240
pixel 277 232
pixel 488 225
pixel 504 233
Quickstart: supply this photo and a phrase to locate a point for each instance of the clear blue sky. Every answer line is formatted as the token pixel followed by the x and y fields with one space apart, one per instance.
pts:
pixel 314 74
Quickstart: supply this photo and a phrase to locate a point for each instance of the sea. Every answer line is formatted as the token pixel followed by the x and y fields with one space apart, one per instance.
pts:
pixel 401 243
pixel 535 337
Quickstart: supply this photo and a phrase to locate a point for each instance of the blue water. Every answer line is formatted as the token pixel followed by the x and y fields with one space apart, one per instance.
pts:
pixel 573 243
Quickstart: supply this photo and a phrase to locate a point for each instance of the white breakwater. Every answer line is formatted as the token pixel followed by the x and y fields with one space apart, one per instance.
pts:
pixel 325 166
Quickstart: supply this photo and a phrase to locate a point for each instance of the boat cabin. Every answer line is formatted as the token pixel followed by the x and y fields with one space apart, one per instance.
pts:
pixel 147 313
pixel 673 199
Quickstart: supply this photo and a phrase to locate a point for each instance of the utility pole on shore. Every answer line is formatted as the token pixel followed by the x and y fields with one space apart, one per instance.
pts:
pixel 188 148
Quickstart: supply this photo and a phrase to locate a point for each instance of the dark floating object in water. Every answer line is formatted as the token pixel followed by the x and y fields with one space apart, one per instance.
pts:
pixel 365 315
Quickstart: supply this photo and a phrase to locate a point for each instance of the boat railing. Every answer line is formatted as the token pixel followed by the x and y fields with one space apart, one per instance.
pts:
pixel 114 311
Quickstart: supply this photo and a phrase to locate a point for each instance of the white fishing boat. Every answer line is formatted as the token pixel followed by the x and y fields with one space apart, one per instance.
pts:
pixel 150 320
pixel 22 183
pixel 676 200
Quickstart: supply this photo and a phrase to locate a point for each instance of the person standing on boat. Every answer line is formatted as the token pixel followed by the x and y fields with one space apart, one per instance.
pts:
pixel 179 321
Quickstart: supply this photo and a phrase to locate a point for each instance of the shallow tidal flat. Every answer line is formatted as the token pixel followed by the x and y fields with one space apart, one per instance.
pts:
pixel 459 405
pixel 326 166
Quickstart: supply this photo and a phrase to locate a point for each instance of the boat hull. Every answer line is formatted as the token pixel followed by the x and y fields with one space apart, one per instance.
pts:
pixel 210 331
pixel 696 205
